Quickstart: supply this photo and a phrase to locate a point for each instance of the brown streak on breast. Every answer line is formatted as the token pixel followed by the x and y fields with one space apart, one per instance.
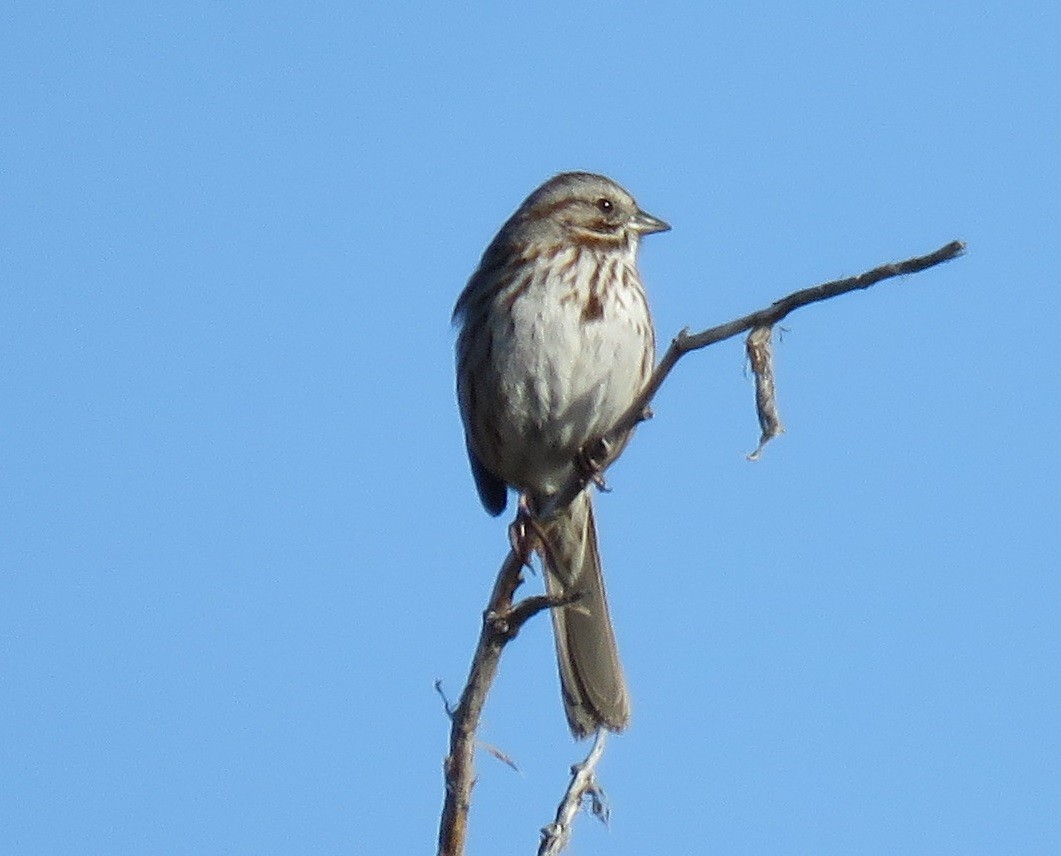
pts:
pixel 568 268
pixel 594 308
pixel 515 291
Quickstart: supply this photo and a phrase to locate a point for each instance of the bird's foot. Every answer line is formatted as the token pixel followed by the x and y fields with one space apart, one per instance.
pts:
pixel 525 533
pixel 590 462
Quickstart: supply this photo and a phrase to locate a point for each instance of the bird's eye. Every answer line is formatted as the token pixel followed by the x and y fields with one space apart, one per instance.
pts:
pixel 605 205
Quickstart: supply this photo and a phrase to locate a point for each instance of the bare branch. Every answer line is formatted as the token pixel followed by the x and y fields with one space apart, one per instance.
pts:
pixel 502 620
pixel 459 766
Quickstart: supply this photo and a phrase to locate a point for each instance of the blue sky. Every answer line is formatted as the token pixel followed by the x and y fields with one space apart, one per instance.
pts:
pixel 238 538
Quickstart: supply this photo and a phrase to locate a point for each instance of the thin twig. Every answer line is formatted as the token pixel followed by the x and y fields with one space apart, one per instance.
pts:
pixel 583 784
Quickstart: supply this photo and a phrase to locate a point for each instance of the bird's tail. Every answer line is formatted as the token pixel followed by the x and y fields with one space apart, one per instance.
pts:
pixel 591 675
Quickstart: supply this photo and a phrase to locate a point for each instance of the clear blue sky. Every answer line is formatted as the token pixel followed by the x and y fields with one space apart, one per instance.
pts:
pixel 238 538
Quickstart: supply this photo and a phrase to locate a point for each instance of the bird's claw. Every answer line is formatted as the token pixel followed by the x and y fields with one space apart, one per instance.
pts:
pixel 590 461
pixel 524 533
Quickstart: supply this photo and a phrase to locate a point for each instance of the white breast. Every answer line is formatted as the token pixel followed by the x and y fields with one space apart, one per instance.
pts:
pixel 569 366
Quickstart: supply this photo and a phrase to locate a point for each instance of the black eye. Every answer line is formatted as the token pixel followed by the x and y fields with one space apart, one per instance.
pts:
pixel 605 205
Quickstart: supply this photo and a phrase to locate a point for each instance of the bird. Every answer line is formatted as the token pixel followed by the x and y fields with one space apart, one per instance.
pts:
pixel 555 341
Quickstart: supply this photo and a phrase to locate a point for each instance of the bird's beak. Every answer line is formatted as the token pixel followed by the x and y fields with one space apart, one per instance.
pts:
pixel 646 224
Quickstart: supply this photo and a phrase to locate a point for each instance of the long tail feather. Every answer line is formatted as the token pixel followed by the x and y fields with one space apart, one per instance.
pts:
pixel 591 675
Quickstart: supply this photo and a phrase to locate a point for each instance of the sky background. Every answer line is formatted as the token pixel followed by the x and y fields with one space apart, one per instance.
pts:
pixel 238 537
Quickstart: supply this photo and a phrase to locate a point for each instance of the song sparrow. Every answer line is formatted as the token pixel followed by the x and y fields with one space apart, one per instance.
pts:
pixel 555 341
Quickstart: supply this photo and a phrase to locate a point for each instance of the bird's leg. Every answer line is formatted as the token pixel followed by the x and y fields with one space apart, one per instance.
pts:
pixel 524 533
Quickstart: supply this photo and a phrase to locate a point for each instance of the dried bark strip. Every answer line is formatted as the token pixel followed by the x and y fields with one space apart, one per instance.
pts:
pixel 761 357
